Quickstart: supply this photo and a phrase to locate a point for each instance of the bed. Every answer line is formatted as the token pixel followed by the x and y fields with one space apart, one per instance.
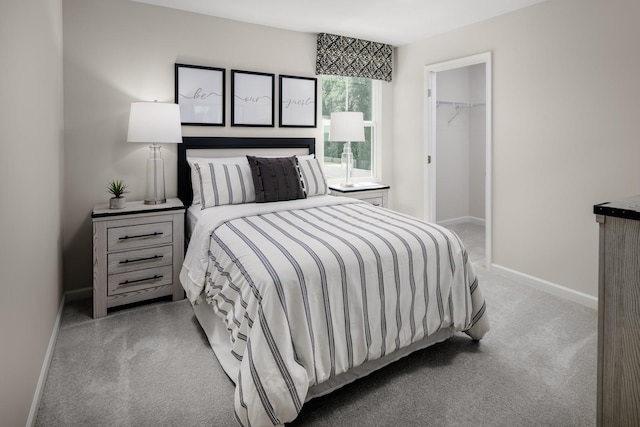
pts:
pixel 301 296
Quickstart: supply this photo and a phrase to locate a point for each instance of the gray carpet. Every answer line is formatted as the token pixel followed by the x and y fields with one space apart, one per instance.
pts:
pixel 152 365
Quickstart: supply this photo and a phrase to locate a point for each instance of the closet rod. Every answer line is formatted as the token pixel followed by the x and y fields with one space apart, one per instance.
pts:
pixel 460 104
pixel 458 107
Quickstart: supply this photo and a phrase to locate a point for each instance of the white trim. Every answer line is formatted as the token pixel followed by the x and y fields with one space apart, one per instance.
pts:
pixel 552 288
pixel 44 371
pixel 376 102
pixel 462 220
pixel 78 294
pixel 429 173
pixel 430 97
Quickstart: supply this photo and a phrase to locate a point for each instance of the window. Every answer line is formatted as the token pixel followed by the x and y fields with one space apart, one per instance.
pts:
pixel 352 94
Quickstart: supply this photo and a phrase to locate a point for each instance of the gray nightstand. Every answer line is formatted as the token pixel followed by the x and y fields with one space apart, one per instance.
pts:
pixel 137 253
pixel 376 194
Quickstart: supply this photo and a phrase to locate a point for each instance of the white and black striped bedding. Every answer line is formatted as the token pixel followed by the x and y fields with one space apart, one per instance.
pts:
pixel 313 289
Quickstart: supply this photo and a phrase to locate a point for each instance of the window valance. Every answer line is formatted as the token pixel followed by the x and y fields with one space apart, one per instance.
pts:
pixel 351 57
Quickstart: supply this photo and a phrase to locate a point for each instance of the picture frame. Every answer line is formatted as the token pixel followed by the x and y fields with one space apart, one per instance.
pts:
pixel 252 98
pixel 200 93
pixel 298 101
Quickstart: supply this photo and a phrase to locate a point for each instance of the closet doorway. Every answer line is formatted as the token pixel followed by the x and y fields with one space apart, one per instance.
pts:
pixel 457 138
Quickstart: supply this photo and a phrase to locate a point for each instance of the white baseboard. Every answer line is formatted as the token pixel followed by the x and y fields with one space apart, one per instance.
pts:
pixel 552 288
pixel 462 219
pixel 37 396
pixel 78 294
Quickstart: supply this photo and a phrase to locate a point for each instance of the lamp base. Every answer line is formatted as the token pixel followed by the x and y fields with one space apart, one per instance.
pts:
pixel 155 177
pixel 346 162
pixel 155 202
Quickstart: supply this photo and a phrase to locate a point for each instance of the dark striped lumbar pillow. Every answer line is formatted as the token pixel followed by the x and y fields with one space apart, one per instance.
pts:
pixel 276 178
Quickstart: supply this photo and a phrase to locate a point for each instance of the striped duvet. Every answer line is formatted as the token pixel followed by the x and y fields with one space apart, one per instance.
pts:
pixel 309 290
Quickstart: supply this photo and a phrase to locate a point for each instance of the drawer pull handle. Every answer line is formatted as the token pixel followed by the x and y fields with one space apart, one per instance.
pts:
pixel 127 261
pixel 128 282
pixel 155 233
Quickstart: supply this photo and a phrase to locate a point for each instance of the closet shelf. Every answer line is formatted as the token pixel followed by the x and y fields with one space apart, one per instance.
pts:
pixel 460 104
pixel 458 107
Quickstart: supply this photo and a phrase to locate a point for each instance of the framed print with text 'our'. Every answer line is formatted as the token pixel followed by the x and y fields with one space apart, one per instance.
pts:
pixel 252 98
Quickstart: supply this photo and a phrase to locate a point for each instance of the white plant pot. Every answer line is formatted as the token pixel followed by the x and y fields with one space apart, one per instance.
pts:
pixel 116 202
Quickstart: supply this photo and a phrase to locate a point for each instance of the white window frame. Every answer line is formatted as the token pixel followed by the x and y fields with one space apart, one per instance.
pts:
pixel 376 133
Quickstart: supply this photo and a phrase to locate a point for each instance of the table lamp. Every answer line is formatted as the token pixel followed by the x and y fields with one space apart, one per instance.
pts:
pixel 347 126
pixel 154 123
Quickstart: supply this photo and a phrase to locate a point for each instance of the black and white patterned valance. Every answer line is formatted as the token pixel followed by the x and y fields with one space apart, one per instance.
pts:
pixel 347 56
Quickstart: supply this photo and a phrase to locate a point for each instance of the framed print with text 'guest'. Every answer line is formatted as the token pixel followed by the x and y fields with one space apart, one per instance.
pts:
pixel 298 101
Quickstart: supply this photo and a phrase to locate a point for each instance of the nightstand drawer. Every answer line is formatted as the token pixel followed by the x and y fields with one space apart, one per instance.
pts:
pixel 139 279
pixel 121 262
pixel 137 236
pixel 376 201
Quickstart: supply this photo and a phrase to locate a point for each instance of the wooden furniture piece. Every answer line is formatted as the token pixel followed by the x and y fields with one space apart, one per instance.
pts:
pixel 619 313
pixel 376 194
pixel 137 253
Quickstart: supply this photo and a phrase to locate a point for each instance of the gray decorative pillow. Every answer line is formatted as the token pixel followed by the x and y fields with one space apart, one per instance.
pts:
pixel 276 178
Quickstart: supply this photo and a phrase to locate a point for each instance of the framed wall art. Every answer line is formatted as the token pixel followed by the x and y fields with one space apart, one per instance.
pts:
pixel 298 101
pixel 252 98
pixel 200 93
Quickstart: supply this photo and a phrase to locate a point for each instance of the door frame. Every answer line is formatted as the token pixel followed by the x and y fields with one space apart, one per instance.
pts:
pixel 429 120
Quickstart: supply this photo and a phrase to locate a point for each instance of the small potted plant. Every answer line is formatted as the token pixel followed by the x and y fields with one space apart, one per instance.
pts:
pixel 117 188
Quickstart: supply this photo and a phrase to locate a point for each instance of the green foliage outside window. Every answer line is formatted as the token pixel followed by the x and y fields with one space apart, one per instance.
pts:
pixel 348 94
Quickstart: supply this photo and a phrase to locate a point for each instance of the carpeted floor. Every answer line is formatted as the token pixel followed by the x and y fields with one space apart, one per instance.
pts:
pixel 152 366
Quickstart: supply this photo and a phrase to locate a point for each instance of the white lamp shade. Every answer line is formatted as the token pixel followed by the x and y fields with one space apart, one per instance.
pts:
pixel 346 126
pixel 154 123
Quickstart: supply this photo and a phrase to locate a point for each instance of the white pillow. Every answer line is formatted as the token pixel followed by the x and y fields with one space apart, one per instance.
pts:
pixel 195 186
pixel 224 184
pixel 312 176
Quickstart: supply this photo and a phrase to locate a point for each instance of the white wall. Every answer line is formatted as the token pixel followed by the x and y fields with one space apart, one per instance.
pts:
pixel 452 146
pixel 120 51
pixel 477 141
pixel 31 188
pixel 460 147
pixel 565 132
